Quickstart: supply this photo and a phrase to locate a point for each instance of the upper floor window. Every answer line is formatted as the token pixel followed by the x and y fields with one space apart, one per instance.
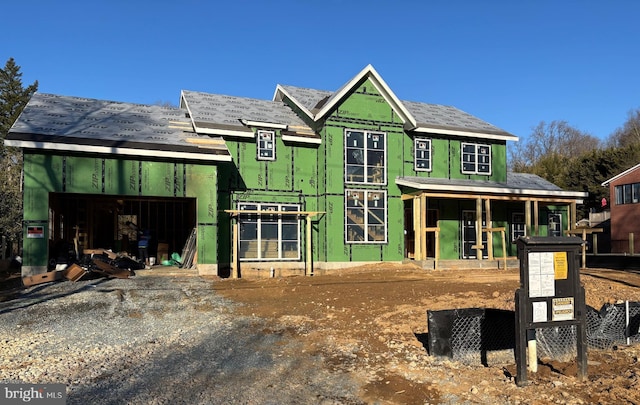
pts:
pixel 365 157
pixel 476 158
pixel 627 194
pixel 422 154
pixel 266 145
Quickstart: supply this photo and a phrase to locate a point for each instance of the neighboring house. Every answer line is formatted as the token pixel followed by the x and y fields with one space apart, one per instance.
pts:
pixel 309 180
pixel 624 204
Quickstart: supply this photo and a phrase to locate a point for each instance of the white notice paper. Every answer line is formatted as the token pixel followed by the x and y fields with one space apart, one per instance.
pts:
pixel 541 274
pixel 539 311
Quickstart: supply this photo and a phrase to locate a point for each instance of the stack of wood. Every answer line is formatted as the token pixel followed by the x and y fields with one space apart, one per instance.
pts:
pixel 189 250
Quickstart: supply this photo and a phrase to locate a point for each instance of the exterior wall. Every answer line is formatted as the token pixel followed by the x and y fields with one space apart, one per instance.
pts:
pixel 364 109
pixel 291 178
pixel 95 175
pixel 625 218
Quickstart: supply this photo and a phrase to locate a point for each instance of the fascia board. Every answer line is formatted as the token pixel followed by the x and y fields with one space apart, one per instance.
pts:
pixel 260 124
pixel 225 132
pixel 468 134
pixel 301 139
pixel 616 177
pixel 107 150
pixel 493 190
pixel 277 96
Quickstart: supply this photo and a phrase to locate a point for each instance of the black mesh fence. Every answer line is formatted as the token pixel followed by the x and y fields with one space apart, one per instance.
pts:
pixel 484 335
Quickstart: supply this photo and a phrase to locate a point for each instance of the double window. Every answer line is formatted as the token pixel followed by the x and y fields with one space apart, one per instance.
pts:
pixel 422 154
pixel 366 216
pixel 476 158
pixel 266 144
pixel 627 193
pixel 269 236
pixel 366 157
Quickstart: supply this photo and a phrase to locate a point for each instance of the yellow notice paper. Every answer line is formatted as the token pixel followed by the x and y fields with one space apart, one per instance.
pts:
pixel 560 265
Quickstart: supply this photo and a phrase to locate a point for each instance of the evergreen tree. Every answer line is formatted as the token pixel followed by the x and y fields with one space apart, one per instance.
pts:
pixel 13 98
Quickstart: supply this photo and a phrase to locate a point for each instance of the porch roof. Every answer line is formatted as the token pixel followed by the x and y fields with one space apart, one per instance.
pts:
pixel 522 185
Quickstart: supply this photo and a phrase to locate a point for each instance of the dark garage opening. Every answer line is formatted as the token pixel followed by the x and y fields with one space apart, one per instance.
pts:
pixel 112 222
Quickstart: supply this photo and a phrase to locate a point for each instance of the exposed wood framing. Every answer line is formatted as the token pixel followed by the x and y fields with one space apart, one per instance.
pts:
pixel 584 232
pixel 235 261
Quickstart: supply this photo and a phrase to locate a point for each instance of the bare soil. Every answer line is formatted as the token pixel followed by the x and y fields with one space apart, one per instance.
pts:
pixel 371 323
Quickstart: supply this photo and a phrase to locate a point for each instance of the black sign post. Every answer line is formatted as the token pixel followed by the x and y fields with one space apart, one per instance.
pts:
pixel 550 295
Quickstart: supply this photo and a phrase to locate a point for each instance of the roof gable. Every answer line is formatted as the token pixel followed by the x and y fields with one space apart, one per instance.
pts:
pixel 417 117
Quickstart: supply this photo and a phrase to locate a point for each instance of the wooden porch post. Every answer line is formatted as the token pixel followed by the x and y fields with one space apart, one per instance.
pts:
pixel 536 218
pixel 308 262
pixel 527 217
pixel 487 204
pixel 417 229
pixel 479 229
pixel 423 226
pixel 234 260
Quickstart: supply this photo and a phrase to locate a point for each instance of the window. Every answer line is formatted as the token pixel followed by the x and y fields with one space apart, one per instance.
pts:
pixel 627 194
pixel 518 226
pixel 555 224
pixel 266 145
pixel 476 159
pixel 422 154
pixel 365 160
pixel 365 216
pixel 269 236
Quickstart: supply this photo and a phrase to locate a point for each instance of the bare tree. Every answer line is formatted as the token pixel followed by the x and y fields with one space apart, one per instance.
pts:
pixel 629 133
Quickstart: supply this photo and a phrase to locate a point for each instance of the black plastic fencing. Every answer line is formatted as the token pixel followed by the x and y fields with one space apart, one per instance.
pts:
pixel 485 335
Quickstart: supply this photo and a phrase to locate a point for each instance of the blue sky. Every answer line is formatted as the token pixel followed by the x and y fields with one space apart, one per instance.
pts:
pixel 511 63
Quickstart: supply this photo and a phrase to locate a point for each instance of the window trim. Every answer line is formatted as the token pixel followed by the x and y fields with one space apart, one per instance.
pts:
pixel 263 146
pixel 258 218
pixel 415 155
pixel 366 213
pixel 365 154
pixel 475 155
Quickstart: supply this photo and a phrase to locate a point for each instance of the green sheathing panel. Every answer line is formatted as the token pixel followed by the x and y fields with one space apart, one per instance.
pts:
pixel 201 183
pixel 449 222
pixel 83 175
pixel 363 109
pixel 121 177
pixel 158 179
pixel 439 157
pixel 42 174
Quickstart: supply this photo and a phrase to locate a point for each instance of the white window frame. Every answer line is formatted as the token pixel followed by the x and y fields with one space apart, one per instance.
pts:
pixel 372 206
pixel 420 147
pixel 265 219
pixel 362 154
pixel 479 157
pixel 266 145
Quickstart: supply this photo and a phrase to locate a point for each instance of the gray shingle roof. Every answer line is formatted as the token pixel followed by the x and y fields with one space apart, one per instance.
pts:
pixel 447 117
pixel 426 115
pixel 229 110
pixel 74 120
pixel 517 184
pixel 311 99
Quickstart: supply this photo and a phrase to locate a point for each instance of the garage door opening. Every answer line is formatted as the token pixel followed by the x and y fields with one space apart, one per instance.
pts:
pixel 84 221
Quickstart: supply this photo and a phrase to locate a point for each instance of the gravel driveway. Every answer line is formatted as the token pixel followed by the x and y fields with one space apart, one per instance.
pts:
pixel 156 340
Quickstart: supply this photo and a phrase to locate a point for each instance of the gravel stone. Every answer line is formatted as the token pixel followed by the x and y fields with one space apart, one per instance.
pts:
pixel 156 340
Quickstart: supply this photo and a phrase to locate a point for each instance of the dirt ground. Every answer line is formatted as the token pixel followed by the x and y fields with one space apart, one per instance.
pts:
pixel 371 324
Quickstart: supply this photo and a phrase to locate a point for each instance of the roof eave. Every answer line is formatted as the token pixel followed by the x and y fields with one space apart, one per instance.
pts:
pixel 278 96
pixel 110 150
pixel 470 134
pixel 493 190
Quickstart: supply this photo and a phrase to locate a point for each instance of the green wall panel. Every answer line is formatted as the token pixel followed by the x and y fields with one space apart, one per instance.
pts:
pixel 121 177
pixel 83 175
pixel 42 174
pixel 394 249
pixel 334 227
pixel 305 170
pixel 158 179
pixel 35 250
pixel 207 244
pixel 201 182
